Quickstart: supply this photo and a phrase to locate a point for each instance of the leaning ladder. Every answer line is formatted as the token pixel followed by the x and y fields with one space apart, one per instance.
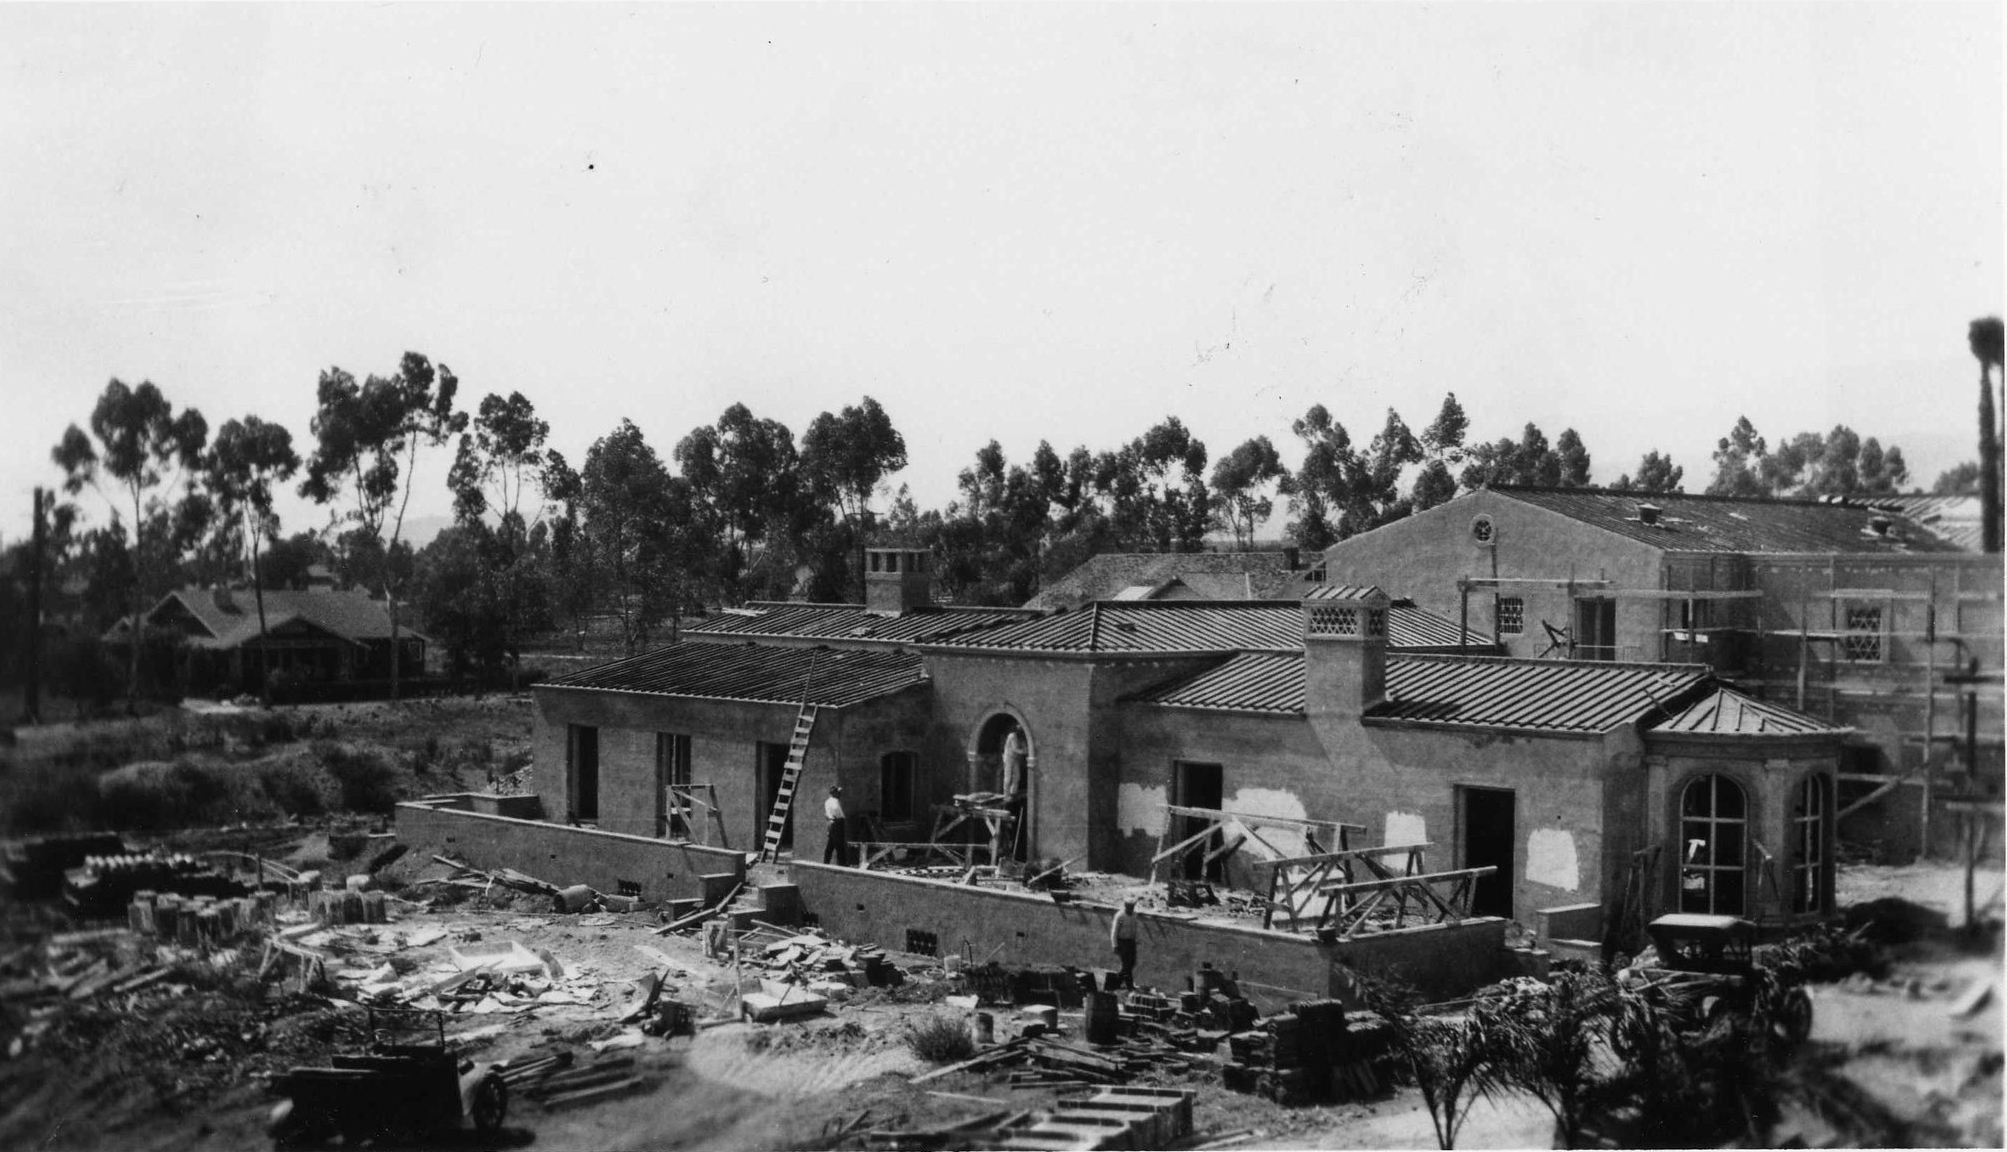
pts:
pixel 797 753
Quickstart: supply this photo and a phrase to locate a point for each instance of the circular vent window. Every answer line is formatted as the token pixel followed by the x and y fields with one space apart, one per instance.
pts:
pixel 1483 530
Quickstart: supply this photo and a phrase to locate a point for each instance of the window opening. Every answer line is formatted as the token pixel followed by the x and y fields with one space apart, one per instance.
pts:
pixel 1714 820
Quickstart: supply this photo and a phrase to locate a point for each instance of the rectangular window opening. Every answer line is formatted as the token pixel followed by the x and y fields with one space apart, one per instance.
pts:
pixel 1861 643
pixel 895 786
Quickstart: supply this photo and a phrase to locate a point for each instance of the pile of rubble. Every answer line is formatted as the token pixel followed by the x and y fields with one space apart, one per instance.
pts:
pixel 1110 1118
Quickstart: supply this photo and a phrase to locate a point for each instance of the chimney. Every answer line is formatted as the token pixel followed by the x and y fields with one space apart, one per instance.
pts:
pixel 896 581
pixel 224 600
pixel 1648 514
pixel 1292 558
pixel 1344 650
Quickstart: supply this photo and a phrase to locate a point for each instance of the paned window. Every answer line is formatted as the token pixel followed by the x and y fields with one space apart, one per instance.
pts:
pixel 672 772
pixel 1809 816
pixel 1714 827
pixel 1511 615
pixel 1862 640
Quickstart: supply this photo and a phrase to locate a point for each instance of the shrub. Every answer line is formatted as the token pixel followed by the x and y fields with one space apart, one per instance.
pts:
pixel 367 781
pixel 940 1038
pixel 50 798
pixel 296 787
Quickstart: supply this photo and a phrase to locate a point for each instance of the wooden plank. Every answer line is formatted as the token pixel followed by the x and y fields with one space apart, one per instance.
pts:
pixel 1252 818
pixel 1348 854
pixel 995 1055
pixel 1182 846
pixel 1367 886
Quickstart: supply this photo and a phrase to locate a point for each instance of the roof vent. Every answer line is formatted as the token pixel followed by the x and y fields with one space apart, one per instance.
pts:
pixel 1881 524
pixel 1648 514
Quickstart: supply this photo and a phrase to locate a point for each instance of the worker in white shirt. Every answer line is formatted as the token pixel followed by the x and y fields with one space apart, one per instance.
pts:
pixel 836 847
pixel 1122 934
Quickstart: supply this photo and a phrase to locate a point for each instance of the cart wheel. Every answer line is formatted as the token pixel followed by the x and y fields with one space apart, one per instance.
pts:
pixel 491 1104
pixel 1794 1017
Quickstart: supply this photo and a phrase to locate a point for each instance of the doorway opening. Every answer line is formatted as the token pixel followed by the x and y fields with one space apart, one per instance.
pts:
pixel 1487 842
pixel 772 767
pixel 1195 785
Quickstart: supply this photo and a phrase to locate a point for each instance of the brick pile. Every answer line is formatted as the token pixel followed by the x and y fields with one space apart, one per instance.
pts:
pixel 1310 1054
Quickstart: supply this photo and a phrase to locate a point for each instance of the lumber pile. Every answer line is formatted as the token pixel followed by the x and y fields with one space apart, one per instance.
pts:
pixel 555 1084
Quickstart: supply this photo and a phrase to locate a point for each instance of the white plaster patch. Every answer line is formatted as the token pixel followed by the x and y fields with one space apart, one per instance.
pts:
pixel 1268 802
pixel 1550 859
pixel 1140 808
pixel 1406 828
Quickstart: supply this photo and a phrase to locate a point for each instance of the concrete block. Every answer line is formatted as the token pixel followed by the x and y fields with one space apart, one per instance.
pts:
pixel 780 903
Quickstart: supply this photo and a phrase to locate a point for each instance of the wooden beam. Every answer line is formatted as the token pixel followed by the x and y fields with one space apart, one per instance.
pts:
pixel 1182 846
pixel 1349 854
pixel 1253 819
pixel 1365 886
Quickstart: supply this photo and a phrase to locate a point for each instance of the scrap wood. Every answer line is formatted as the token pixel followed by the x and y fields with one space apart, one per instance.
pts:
pixel 965 1096
pixel 588 1095
pixel 701 913
pixel 996 1055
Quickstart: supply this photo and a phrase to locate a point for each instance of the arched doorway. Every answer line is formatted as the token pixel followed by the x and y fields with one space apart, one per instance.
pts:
pixel 989 772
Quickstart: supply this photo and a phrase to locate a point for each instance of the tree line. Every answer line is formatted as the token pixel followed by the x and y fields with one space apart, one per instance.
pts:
pixel 742 508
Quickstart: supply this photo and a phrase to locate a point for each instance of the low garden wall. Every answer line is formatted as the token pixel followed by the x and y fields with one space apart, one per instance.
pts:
pixel 564 855
pixel 1441 961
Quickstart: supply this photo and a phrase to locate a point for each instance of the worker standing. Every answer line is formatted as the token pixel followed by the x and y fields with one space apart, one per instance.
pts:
pixel 838 844
pixel 1014 755
pixel 1122 934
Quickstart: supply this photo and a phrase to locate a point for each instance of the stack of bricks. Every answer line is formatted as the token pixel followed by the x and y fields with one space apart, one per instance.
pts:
pixel 1305 1055
pixel 197 919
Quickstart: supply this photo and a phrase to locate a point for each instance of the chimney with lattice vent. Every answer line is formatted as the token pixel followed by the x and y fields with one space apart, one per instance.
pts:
pixel 1344 650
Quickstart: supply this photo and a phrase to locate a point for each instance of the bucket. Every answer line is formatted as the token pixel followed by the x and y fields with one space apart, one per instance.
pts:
pixel 574 898
pixel 1104 1022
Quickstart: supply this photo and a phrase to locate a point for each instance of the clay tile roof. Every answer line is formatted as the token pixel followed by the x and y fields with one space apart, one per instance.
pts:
pixel 1343 592
pixel 1729 713
pixel 839 622
pixel 1554 696
pixel 1196 626
pixel 828 677
pixel 1690 523
pixel 1229 575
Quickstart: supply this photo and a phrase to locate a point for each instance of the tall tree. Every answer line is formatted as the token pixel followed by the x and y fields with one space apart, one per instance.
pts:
pixel 1984 336
pixel 1738 462
pixel 367 440
pixel 637 523
pixel 247 459
pixel 1573 459
pixel 139 445
pixel 744 474
pixel 844 458
pixel 1244 482
pixel 500 460
pixel 1656 473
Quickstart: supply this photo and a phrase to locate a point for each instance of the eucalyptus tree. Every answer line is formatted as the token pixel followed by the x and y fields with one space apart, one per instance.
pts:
pixel 248 458
pixel 367 440
pixel 141 449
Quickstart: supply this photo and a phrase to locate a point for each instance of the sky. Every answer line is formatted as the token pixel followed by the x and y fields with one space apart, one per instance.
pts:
pixel 1010 222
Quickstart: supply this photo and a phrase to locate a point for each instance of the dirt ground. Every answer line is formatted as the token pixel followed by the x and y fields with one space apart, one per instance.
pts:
pixel 186 1065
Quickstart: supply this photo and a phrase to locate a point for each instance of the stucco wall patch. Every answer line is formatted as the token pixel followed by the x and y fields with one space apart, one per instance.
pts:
pixel 1139 808
pixel 1406 828
pixel 1550 859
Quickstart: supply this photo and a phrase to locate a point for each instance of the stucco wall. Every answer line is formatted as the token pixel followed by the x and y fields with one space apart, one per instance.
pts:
pixel 724 752
pixel 564 856
pixel 1423 556
pixel 1018 929
pixel 1574 800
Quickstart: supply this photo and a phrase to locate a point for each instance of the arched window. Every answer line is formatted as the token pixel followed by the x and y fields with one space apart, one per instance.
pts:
pixel 1714 820
pixel 1809 814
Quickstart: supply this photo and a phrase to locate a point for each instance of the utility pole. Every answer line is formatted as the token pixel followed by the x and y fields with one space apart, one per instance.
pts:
pixel 36 563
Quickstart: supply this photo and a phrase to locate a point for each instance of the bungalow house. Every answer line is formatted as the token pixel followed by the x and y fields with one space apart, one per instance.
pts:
pixel 1579 781
pixel 318 634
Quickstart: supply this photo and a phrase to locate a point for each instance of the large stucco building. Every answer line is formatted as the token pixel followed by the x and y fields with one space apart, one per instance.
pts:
pixel 1847 611
pixel 1347 707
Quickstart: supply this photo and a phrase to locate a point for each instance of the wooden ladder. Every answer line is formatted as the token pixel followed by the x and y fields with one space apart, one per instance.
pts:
pixel 797 754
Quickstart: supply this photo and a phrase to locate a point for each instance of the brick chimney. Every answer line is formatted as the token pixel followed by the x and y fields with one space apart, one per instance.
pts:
pixel 897 581
pixel 1344 650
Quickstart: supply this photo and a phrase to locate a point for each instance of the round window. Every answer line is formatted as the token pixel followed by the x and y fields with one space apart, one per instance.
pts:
pixel 1483 530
